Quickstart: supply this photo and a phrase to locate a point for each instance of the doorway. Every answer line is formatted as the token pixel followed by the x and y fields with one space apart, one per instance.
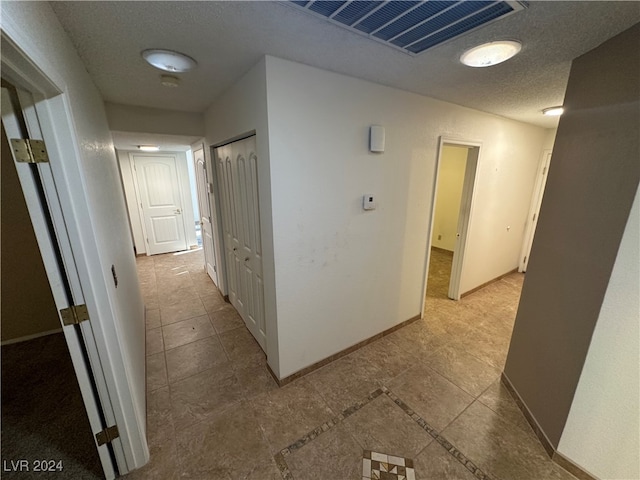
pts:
pixel 36 364
pixel 452 206
pixel 536 203
pixel 159 189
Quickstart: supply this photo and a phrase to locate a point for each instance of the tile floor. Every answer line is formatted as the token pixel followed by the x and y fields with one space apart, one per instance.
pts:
pixel 429 393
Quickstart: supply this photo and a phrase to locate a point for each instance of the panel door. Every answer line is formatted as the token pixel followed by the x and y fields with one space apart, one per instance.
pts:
pixel 161 202
pixel 224 161
pixel 237 167
pixel 202 183
pixel 251 249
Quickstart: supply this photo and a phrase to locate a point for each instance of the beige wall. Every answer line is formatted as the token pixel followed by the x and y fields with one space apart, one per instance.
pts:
pixel 449 194
pixel 590 189
pixel 603 429
pixel 27 304
pixel 344 274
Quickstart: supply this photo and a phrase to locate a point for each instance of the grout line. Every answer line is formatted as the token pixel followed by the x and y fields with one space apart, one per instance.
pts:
pixel 457 454
pixel 280 457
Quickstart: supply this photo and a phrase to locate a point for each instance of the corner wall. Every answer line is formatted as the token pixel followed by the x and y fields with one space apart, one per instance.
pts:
pixel 592 181
pixel 601 433
pixel 343 274
pixel 99 218
pixel 238 112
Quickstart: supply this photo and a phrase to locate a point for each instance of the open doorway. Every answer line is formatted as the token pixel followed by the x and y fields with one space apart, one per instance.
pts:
pixel 453 196
pixel 36 363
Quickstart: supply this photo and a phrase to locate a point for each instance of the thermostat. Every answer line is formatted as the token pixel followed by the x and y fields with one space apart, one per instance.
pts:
pixel 368 202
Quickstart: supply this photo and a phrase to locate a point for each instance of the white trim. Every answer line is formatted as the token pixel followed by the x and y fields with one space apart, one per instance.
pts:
pixel 464 218
pixel 536 203
pixel 26 338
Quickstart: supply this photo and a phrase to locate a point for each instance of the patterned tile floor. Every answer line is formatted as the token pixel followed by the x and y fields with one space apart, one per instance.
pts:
pixel 429 392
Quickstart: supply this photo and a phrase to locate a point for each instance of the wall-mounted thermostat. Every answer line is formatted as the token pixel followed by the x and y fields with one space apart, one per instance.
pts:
pixel 368 202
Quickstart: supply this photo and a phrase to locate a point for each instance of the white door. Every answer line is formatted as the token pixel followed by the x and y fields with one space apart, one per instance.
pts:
pixel 47 217
pixel 238 175
pixel 536 202
pixel 160 197
pixel 204 204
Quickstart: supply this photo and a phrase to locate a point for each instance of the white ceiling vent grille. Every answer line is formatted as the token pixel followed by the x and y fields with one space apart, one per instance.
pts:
pixel 411 26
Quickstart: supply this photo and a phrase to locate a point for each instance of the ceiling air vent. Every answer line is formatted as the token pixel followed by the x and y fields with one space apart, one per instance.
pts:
pixel 412 26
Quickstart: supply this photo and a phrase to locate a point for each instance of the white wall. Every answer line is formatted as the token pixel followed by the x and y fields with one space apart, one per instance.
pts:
pixel 602 430
pixel 128 183
pixel 130 118
pixel 453 163
pixel 99 216
pixel 343 274
pixel 239 111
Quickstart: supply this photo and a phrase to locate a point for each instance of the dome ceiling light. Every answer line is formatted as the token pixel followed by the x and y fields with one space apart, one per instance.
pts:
pixel 491 53
pixel 553 111
pixel 148 148
pixel 168 60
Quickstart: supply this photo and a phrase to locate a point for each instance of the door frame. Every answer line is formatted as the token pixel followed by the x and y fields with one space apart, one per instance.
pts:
pixel 217 200
pixel 136 188
pixel 534 209
pixel 464 217
pixel 49 118
pixel 208 189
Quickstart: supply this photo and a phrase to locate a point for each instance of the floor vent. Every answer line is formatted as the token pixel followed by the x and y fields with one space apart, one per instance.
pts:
pixel 411 26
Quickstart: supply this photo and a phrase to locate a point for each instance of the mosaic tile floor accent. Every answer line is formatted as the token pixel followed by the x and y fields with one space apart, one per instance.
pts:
pixel 380 466
pixel 383 474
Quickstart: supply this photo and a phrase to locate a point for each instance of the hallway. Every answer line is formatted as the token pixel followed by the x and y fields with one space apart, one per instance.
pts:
pixel 214 412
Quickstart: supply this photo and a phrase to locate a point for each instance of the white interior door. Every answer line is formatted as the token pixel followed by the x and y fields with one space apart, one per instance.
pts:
pixel 204 204
pixel 536 202
pixel 47 217
pixel 464 219
pixel 238 169
pixel 158 187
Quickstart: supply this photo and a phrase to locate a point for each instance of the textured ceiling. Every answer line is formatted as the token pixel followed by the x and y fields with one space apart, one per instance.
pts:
pixel 228 38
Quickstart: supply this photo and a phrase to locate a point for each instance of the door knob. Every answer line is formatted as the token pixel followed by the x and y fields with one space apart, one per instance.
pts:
pixel 177 211
pixel 246 259
pixel 235 249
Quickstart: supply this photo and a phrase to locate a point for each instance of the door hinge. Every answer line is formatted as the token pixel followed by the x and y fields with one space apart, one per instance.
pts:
pixel 524 260
pixel 544 170
pixel 215 268
pixel 29 151
pixel 74 314
pixel 107 435
pixel 534 217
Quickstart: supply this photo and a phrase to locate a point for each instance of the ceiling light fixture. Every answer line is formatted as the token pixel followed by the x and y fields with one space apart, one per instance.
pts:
pixel 168 60
pixel 553 111
pixel 490 53
pixel 169 80
pixel 148 148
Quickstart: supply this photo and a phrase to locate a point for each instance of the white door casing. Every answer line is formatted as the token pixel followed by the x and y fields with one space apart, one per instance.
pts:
pixel 204 204
pixel 160 199
pixel 80 338
pixel 237 166
pixel 464 217
pixel 534 211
